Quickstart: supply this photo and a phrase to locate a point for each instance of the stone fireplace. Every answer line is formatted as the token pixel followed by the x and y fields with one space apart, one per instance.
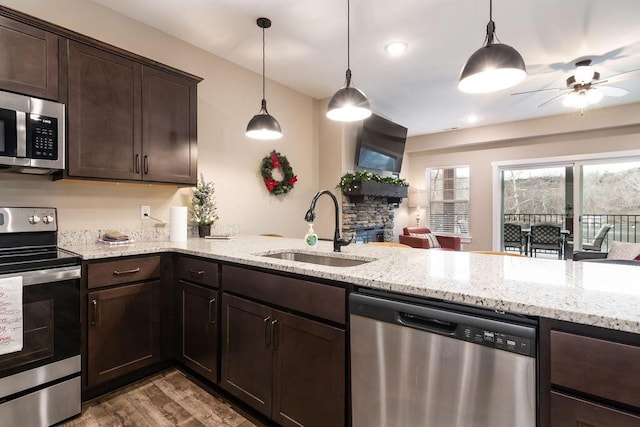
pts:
pixel 371 218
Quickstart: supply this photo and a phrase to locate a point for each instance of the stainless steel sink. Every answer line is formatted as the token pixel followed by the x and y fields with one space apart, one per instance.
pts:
pixel 333 261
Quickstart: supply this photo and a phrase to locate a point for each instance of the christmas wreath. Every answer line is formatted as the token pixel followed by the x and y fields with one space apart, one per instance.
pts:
pixel 273 161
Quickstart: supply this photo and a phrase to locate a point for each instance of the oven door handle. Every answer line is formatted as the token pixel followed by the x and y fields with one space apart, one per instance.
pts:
pixel 49 275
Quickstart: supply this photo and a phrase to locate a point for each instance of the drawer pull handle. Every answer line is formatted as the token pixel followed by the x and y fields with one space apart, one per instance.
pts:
pixel 94 318
pixel 212 315
pixel 274 334
pixel 267 331
pixel 198 273
pixel 132 271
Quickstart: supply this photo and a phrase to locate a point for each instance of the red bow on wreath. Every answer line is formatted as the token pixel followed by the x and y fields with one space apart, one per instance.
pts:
pixel 271 183
pixel 275 162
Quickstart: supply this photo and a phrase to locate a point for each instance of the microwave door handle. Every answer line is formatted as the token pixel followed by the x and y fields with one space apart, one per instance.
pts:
pixel 21 134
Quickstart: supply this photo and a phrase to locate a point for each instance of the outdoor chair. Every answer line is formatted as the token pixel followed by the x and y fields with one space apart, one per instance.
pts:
pixel 546 237
pixel 514 238
pixel 596 243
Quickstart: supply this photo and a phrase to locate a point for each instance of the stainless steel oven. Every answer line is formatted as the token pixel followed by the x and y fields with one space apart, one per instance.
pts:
pixel 40 379
pixel 31 134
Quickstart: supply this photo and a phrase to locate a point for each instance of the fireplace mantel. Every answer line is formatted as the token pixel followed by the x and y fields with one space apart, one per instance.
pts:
pixel 358 190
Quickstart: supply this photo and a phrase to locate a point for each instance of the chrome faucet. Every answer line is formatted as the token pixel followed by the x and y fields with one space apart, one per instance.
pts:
pixel 338 242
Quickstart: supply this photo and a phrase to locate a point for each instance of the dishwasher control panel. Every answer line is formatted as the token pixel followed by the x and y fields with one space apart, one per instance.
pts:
pixel 497 340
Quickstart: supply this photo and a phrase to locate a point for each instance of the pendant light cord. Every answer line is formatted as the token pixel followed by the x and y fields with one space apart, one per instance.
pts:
pixel 348 35
pixel 348 74
pixel 263 72
pixel 491 27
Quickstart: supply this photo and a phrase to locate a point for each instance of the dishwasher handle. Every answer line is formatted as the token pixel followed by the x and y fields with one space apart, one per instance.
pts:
pixel 427 323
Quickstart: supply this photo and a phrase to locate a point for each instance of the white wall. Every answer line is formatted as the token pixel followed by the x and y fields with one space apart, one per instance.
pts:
pixel 227 99
pixel 597 131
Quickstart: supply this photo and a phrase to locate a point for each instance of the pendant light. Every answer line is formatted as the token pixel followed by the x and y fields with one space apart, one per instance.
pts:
pixel 493 67
pixel 263 125
pixel 348 104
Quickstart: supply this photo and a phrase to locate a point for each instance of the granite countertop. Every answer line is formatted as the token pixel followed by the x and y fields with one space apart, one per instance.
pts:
pixel 594 294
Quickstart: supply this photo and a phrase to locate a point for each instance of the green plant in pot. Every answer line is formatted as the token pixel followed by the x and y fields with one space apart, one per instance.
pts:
pixel 203 206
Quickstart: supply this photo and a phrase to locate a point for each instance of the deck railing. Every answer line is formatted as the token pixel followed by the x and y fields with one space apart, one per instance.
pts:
pixel 626 228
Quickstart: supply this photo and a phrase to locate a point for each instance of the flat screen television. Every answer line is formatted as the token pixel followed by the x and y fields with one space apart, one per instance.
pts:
pixel 380 144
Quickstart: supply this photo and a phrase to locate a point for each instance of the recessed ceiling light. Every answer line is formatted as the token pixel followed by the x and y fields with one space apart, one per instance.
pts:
pixel 396 48
pixel 471 118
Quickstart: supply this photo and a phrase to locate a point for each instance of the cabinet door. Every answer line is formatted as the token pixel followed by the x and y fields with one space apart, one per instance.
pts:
pixel 246 351
pixel 308 372
pixel 168 127
pixel 123 330
pixel 104 114
pixel 568 411
pixel 28 60
pixel 198 323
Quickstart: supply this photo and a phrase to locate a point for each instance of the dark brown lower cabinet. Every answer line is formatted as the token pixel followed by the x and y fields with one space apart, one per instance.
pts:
pixel 123 330
pixel 567 411
pixel 290 368
pixel 199 334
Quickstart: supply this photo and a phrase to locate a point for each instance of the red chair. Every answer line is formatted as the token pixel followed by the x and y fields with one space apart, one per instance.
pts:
pixel 451 243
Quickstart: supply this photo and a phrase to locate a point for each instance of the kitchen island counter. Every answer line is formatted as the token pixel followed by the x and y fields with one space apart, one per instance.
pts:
pixel 594 294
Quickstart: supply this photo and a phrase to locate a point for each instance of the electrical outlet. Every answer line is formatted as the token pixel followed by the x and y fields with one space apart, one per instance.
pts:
pixel 145 212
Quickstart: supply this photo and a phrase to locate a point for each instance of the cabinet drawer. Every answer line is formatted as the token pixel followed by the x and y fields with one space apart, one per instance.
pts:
pixel 124 270
pixel 567 411
pixel 325 301
pixel 597 367
pixel 199 271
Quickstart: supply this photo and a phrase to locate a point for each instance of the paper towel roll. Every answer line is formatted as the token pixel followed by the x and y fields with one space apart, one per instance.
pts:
pixel 178 224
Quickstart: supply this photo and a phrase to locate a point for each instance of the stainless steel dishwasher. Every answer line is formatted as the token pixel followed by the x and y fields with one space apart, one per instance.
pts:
pixel 421 363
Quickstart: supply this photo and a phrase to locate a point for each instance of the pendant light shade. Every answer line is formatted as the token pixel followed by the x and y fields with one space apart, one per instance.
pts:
pixel 348 104
pixel 263 125
pixel 493 67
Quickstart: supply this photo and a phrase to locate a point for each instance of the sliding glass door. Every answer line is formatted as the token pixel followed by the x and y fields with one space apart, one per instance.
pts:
pixel 606 194
pixel 610 198
pixel 534 195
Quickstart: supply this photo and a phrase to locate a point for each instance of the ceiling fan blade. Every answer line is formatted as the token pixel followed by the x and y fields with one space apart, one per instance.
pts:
pixel 613 91
pixel 539 90
pixel 552 99
pixel 624 76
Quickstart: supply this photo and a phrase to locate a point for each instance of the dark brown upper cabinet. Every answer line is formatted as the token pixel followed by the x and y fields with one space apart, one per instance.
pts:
pixel 28 60
pixel 105 138
pixel 169 123
pixel 129 121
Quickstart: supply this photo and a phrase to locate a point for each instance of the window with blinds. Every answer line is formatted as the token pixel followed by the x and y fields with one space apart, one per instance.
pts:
pixel 448 209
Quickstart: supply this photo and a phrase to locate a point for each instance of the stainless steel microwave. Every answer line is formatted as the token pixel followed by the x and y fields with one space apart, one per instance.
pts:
pixel 31 134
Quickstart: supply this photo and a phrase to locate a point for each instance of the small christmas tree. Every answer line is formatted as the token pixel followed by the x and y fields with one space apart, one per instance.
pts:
pixel 203 211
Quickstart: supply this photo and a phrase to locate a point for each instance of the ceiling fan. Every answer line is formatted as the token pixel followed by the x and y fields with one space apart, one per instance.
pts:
pixel 585 87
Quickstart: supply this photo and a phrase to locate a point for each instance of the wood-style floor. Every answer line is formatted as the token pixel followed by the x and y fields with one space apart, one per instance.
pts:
pixel 166 399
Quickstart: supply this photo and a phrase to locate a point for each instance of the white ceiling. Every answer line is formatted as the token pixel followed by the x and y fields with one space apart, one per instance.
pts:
pixel 306 49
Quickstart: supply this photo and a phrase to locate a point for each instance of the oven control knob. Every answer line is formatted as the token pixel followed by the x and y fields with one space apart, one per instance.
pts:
pixel 34 219
pixel 47 219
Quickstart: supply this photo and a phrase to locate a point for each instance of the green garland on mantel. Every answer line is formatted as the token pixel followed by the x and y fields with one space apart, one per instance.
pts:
pixel 350 177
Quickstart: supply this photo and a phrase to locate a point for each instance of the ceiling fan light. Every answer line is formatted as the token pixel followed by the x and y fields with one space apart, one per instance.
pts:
pixel 348 104
pixel 492 68
pixel 263 126
pixel 576 100
pixel 584 74
pixel 570 99
pixel 594 95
